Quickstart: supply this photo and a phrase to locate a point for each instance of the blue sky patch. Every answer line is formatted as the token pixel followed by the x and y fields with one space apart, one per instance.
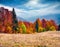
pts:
pixel 27 9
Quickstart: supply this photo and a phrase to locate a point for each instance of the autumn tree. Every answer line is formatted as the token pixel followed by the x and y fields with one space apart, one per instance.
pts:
pixel 44 23
pixel 23 28
pixel 31 27
pixel 39 22
pixel 40 29
pixel 47 25
pixel 52 28
pixel 40 25
pixel 52 22
pixel 19 25
pixel 8 29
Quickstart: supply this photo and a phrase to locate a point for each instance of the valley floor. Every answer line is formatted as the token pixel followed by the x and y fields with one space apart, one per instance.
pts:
pixel 44 39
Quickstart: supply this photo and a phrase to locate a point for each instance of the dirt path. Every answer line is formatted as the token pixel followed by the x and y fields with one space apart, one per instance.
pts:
pixel 45 39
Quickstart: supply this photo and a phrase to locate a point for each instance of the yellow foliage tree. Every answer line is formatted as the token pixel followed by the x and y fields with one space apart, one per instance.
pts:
pixel 23 28
pixel 9 29
pixel 40 29
pixel 52 28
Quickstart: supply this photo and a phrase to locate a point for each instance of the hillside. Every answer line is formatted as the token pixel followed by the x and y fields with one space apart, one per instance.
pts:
pixel 44 39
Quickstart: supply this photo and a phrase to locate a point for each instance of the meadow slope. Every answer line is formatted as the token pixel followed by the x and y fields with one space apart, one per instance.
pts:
pixel 44 39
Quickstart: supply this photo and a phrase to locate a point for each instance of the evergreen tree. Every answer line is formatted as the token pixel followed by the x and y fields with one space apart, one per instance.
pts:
pixel 59 27
pixel 36 26
pixel 15 22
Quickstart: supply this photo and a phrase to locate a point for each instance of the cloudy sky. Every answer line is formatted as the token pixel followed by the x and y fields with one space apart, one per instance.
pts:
pixel 32 8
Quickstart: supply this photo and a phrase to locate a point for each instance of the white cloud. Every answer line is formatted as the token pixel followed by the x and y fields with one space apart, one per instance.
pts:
pixel 19 12
pixel 44 9
pixel 10 8
pixel 33 4
pixel 38 12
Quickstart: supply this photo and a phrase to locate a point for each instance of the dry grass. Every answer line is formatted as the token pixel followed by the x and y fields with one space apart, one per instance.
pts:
pixel 44 39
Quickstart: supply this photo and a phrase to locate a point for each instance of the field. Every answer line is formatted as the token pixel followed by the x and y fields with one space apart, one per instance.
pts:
pixel 44 39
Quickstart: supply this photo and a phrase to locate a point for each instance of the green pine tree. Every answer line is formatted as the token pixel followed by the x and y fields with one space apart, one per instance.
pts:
pixel 36 26
pixel 59 27
pixel 15 21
